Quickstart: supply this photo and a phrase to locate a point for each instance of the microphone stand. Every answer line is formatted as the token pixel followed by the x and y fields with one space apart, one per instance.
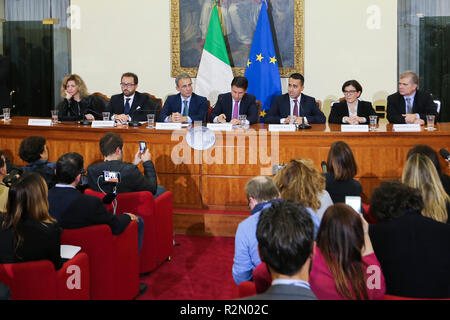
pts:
pixel 303 125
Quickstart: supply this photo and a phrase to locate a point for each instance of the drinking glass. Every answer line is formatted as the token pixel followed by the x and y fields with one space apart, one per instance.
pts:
pixel 105 116
pixel 54 116
pixel 430 122
pixel 150 121
pixel 373 123
pixel 6 114
pixel 242 120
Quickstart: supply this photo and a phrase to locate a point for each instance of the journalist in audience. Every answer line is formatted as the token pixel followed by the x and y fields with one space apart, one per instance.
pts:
pixel 300 181
pixel 420 173
pixel 430 153
pixel 351 110
pixel 344 258
pixel 341 170
pixel 77 104
pixel 413 250
pixel 28 232
pixel 34 151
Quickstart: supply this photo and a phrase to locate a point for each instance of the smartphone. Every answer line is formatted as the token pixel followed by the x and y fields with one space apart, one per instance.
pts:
pixel 142 146
pixel 111 176
pixel 354 202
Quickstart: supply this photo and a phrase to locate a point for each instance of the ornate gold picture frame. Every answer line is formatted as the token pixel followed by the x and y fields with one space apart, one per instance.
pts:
pixel 187 45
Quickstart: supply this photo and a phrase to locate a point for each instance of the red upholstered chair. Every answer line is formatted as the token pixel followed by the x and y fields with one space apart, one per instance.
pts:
pixel 38 280
pixel 244 289
pixel 113 260
pixel 370 219
pixel 158 219
pixel 261 278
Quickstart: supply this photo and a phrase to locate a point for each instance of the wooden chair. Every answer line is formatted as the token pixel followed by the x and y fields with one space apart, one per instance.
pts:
pixel 259 105
pixel 319 103
pixel 102 97
pixel 158 102
pixel 208 114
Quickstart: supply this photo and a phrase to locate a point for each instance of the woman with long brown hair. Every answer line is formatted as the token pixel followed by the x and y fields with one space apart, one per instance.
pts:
pixel 27 231
pixel 344 264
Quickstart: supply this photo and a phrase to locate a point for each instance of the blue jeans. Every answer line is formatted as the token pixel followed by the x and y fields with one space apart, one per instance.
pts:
pixel 159 191
pixel 140 233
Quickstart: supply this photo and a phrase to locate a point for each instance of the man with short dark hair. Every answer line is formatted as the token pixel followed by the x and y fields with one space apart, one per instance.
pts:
pixel 285 234
pixel 130 105
pixel 34 151
pixel 261 192
pixel 409 104
pixel 131 179
pixel 237 102
pixel 185 106
pixel 294 105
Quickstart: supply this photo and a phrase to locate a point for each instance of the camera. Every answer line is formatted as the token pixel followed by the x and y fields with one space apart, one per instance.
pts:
pixel 142 146
pixel 111 176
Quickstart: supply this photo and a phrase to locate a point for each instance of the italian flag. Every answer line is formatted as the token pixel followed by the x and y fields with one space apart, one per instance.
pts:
pixel 214 73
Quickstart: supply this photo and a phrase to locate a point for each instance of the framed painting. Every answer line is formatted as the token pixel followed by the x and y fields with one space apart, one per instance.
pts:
pixel 189 25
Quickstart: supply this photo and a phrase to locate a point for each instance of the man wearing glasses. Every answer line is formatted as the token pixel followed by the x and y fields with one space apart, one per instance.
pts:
pixel 294 106
pixel 130 105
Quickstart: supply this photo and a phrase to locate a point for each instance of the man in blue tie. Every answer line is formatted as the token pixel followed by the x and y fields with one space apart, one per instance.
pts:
pixel 185 106
pixel 409 105
pixel 130 105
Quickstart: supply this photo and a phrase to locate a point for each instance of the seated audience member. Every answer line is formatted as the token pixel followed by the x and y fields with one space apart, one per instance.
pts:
pixel 5 293
pixel 131 179
pixel 295 105
pixel 77 103
pixel 300 181
pixel 420 173
pixel 28 232
pixel 130 105
pixel 285 234
pixel 413 250
pixel 74 210
pixel 237 102
pixel 185 106
pixel 408 104
pixel 344 258
pixel 351 110
pixel 430 153
pixel 261 192
pixel 34 151
pixel 341 170
pixel 3 188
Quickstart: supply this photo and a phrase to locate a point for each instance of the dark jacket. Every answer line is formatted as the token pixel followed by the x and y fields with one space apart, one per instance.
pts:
pixel 396 106
pixel 71 110
pixel 74 210
pixel 281 108
pixel 131 179
pixel 225 105
pixel 142 105
pixel 339 189
pixel 284 292
pixel 198 107
pixel 45 169
pixel 414 253
pixel 41 241
pixel 340 110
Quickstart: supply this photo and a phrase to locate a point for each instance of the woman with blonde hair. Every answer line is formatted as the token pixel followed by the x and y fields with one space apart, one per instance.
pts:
pixel 302 182
pixel 77 103
pixel 27 231
pixel 420 173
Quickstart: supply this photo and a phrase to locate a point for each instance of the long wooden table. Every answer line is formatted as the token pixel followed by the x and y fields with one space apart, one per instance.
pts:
pixel 215 179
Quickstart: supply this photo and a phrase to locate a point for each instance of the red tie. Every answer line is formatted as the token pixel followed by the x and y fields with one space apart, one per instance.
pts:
pixel 295 108
pixel 236 110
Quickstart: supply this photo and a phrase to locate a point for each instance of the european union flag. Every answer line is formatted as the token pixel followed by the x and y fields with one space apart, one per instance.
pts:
pixel 262 64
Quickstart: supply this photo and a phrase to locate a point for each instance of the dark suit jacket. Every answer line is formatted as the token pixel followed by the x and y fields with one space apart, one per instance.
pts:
pixel 284 292
pixel 141 106
pixel 225 105
pixel 74 210
pixel 68 109
pixel 198 107
pixel 281 108
pixel 340 110
pixel 131 179
pixel 396 106
pixel 414 253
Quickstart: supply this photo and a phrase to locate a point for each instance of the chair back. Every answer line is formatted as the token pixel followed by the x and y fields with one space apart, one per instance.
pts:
pixel 244 289
pixel 258 106
pixel 102 97
pixel 157 101
pixel 261 278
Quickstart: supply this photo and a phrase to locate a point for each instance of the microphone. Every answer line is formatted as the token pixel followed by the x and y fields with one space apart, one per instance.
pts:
pixel 134 123
pixel 445 154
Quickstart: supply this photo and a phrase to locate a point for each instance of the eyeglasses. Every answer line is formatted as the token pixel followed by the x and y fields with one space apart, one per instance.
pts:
pixel 127 85
pixel 350 92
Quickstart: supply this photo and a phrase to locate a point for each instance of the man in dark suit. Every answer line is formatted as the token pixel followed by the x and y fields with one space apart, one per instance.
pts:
pixel 294 105
pixel 130 105
pixel 285 236
pixel 408 104
pixel 185 106
pixel 237 102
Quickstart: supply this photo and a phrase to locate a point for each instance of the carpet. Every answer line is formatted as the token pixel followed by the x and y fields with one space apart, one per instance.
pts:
pixel 200 269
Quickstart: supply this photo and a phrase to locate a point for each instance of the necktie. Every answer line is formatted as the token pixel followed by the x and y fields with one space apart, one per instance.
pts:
pixel 127 106
pixel 408 105
pixel 236 110
pixel 295 113
pixel 186 108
